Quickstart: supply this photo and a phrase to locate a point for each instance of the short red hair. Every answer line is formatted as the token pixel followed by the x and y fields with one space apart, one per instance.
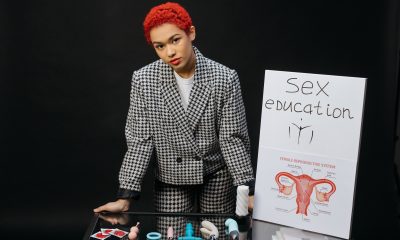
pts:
pixel 166 13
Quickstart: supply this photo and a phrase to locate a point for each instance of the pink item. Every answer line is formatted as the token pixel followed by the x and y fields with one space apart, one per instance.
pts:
pixel 170 233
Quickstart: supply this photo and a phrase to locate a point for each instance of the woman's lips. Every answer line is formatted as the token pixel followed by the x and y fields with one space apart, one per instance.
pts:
pixel 175 61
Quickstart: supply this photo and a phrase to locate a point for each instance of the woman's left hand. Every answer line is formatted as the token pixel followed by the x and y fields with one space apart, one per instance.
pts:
pixel 251 203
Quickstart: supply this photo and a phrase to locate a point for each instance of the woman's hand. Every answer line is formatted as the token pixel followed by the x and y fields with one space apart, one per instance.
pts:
pixel 121 205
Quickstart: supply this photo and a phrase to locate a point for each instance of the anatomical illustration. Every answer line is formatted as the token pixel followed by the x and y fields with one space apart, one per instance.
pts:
pixel 299 129
pixel 304 188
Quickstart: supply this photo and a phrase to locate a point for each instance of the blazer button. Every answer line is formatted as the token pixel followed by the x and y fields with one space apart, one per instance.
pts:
pixel 198 158
pixel 178 159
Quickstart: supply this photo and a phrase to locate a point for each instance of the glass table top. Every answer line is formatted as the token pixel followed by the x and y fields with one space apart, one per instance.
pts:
pixel 159 222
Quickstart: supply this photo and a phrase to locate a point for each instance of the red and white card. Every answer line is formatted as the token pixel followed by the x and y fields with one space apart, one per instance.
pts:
pixel 107 230
pixel 100 235
pixel 118 233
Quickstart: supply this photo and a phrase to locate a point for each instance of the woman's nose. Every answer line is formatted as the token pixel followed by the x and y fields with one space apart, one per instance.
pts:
pixel 170 51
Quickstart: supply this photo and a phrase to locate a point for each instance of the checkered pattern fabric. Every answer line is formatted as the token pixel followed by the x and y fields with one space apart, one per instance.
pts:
pixel 215 195
pixel 190 144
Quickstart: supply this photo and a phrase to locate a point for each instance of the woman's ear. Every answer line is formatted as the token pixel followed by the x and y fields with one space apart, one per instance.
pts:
pixel 192 33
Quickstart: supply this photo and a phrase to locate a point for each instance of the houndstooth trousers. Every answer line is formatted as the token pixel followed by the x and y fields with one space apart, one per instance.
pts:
pixel 216 195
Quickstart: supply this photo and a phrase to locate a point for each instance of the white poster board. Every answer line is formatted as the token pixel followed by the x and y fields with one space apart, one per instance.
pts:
pixel 308 151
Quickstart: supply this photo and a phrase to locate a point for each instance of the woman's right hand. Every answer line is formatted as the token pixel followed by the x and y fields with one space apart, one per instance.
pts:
pixel 121 205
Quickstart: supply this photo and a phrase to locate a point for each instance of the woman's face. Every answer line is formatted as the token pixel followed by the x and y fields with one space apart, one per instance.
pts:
pixel 174 46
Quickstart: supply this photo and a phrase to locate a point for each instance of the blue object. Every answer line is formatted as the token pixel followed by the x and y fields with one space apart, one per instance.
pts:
pixel 153 236
pixel 189 233
pixel 232 229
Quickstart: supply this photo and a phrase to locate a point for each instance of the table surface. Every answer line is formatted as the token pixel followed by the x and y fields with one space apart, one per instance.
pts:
pixel 259 230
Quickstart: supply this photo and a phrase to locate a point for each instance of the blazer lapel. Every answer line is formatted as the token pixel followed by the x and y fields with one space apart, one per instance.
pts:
pixel 200 92
pixel 173 101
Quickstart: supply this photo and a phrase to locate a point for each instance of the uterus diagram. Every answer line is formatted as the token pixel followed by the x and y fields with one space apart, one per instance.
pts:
pixel 305 185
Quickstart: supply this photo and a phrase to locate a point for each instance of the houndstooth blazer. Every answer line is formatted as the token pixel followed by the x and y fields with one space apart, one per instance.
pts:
pixel 190 144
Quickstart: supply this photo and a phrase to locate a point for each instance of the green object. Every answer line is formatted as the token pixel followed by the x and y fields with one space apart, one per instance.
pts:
pixel 232 229
pixel 153 236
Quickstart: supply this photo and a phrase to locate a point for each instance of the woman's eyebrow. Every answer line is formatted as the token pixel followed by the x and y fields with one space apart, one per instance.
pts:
pixel 169 39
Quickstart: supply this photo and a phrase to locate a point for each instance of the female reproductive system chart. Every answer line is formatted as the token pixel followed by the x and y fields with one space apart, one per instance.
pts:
pixel 305 190
pixel 308 151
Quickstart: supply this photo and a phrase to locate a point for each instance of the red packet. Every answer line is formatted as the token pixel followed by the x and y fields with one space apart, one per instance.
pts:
pixel 100 235
pixel 118 233
pixel 107 230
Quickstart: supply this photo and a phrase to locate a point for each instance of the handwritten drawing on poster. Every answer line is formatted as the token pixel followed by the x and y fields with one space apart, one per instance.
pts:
pixel 308 151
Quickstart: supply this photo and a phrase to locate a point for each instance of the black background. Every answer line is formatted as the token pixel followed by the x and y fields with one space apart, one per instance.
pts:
pixel 65 79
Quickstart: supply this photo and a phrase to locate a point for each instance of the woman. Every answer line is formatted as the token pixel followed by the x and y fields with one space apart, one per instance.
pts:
pixel 188 110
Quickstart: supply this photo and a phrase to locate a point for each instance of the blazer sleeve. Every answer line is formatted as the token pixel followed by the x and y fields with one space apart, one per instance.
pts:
pixel 139 141
pixel 233 136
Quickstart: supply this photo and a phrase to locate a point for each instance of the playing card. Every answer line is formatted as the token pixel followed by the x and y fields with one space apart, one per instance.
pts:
pixel 100 235
pixel 118 233
pixel 107 230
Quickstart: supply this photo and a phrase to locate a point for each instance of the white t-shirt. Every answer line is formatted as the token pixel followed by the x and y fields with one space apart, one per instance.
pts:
pixel 184 86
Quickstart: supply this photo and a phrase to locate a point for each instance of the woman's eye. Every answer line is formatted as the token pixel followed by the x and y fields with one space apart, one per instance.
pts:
pixel 159 47
pixel 176 40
